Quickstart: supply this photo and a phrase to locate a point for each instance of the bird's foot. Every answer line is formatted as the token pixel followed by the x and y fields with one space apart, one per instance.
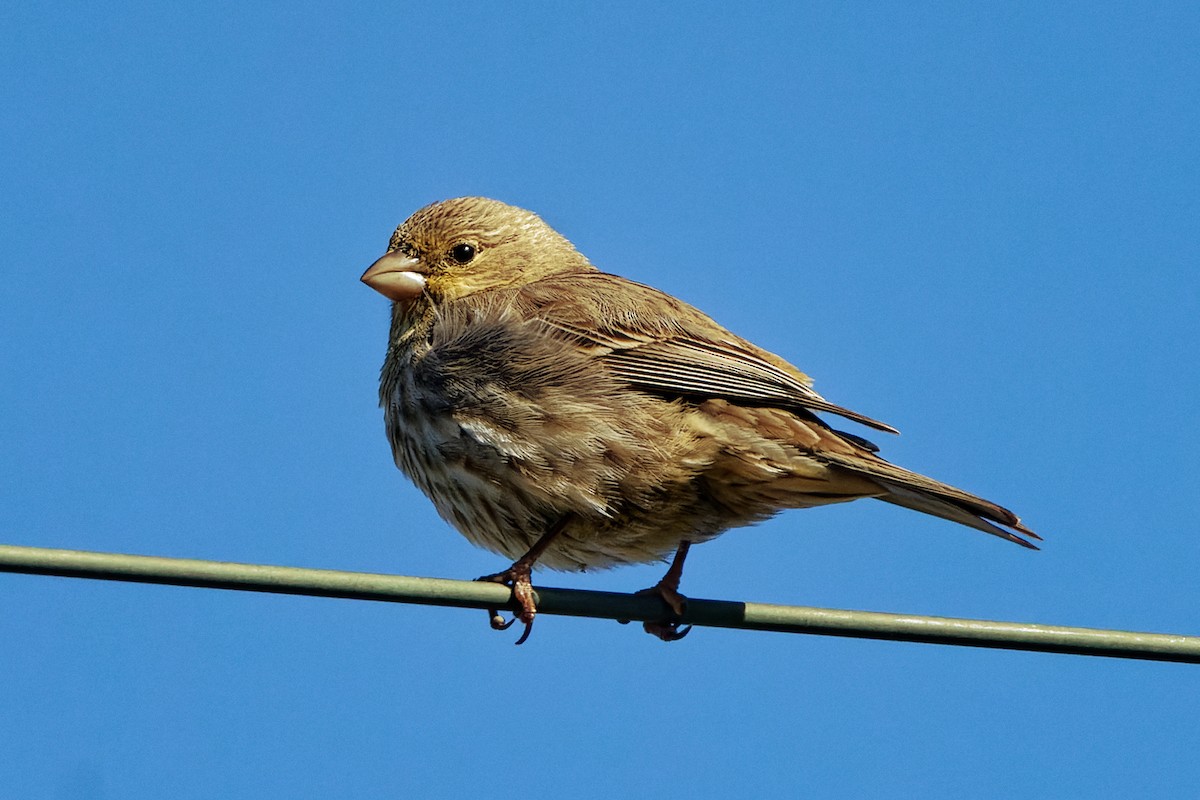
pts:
pixel 517 577
pixel 669 630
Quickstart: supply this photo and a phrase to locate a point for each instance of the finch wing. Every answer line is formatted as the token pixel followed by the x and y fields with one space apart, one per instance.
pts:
pixel 660 344
pixel 663 345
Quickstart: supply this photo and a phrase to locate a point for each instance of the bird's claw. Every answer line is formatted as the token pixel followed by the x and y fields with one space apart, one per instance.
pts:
pixel 668 630
pixel 518 580
pixel 498 622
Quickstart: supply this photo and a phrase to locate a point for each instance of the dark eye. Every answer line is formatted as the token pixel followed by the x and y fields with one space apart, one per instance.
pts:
pixel 462 253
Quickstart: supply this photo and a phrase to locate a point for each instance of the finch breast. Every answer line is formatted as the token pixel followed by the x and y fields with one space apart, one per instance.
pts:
pixel 508 429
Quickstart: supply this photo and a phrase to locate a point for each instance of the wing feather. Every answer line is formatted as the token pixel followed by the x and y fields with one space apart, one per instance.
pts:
pixel 661 344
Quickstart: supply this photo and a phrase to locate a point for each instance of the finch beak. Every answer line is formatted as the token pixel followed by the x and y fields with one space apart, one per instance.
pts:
pixel 395 277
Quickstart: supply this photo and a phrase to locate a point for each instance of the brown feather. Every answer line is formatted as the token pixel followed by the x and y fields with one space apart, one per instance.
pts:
pixel 661 344
pixel 523 388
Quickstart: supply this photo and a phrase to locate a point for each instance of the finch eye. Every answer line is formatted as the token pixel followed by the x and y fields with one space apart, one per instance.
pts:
pixel 462 253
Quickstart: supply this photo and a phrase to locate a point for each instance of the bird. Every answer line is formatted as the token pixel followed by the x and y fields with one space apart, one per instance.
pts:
pixel 571 419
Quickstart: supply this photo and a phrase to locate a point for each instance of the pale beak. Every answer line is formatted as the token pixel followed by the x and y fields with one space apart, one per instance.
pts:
pixel 395 277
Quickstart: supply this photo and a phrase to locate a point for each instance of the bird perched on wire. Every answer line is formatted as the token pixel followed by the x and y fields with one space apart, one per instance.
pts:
pixel 568 418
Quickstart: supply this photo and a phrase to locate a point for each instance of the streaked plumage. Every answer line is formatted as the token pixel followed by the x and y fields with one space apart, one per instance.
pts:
pixel 523 387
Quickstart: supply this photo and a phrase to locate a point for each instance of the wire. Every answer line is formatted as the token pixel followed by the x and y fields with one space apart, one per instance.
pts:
pixel 605 605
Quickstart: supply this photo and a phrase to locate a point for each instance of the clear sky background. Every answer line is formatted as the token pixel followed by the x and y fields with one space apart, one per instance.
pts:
pixel 978 222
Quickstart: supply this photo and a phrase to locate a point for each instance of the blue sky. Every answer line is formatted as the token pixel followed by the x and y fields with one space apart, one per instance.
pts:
pixel 976 222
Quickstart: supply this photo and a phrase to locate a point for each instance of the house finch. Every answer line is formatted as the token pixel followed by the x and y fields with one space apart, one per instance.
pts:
pixel 562 416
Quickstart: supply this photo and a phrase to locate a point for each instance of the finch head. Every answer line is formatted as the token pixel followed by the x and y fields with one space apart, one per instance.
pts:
pixel 457 247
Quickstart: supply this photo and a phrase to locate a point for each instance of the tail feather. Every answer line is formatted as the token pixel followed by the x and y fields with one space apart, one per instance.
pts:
pixel 931 504
pixel 916 491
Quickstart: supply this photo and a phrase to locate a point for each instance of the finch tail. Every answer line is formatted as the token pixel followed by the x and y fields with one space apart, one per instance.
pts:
pixel 974 516
pixel 915 491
